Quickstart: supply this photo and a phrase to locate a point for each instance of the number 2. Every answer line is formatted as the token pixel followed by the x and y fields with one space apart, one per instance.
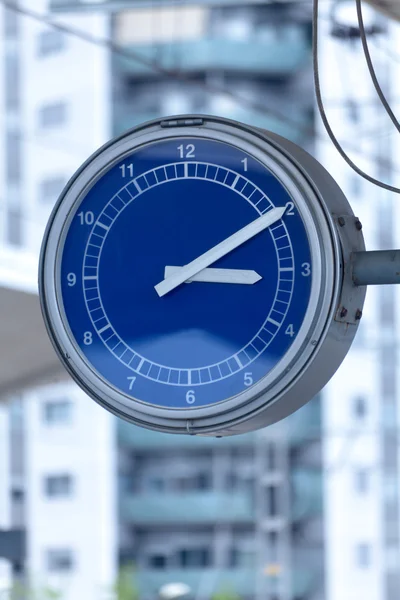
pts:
pixel 290 209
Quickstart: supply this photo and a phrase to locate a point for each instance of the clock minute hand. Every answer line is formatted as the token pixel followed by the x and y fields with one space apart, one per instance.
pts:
pixel 220 250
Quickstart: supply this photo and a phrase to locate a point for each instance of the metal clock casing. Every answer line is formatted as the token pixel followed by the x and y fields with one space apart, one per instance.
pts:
pixel 155 373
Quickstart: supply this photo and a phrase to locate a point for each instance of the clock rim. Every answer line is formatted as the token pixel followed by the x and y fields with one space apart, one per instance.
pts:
pixel 322 241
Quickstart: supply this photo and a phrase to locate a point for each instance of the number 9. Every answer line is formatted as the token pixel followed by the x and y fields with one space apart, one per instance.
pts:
pixel 71 278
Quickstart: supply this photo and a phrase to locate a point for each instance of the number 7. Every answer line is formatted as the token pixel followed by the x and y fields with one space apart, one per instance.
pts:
pixel 131 381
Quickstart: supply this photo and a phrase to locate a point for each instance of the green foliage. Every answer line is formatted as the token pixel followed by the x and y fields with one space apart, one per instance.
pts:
pixel 125 588
pixel 20 591
pixel 226 593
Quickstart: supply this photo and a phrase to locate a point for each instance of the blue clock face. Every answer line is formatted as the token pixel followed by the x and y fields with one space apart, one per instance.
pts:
pixel 148 217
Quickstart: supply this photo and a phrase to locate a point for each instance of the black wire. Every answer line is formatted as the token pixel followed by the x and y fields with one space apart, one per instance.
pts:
pixel 322 112
pixel 371 69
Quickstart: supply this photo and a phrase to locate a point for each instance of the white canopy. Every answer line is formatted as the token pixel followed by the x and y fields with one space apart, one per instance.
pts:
pixel 27 357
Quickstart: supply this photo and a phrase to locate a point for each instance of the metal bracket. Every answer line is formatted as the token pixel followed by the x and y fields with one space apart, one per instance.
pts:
pixel 352 297
pixel 182 123
pixel 377 267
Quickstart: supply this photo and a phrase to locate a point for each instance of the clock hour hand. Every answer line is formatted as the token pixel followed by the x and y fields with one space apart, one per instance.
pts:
pixel 220 250
pixel 243 276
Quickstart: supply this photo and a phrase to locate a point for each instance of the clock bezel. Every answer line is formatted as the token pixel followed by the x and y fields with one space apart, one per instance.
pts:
pixel 326 259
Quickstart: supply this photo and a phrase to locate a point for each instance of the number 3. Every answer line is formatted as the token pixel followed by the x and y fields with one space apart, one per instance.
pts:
pixel 306 269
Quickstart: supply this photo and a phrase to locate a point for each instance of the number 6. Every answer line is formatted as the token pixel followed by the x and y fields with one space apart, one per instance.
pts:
pixel 190 397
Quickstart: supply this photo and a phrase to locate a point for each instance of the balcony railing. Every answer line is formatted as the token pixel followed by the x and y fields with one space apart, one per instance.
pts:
pixel 307 493
pixel 282 53
pixel 190 507
pixel 137 438
pixel 242 581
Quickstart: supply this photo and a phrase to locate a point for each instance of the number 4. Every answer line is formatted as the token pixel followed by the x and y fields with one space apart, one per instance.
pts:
pixel 289 330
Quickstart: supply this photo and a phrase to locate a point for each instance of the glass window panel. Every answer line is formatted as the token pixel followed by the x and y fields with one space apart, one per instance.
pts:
pixel 59 560
pixel 14 227
pixel 53 115
pixel 51 41
pixel 57 412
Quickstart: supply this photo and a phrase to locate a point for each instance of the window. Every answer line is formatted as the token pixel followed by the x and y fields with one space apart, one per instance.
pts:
pixel 17 495
pixel 271 457
pixel 13 157
pixel 53 115
pixel 57 412
pixel 14 227
pixel 59 560
pixel 390 484
pixel 363 555
pixel 58 486
pixel 50 189
pixel 50 42
pixel 242 557
pixel 353 111
pixel 157 561
pixel 197 481
pixel 272 500
pixel 355 186
pixel 12 81
pixel 362 481
pixel 11 20
pixel 194 557
pixel 360 407
pixel 392 558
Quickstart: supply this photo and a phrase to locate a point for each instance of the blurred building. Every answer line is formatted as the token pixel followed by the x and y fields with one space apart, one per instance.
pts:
pixel 282 514
pixel 241 514
pixel 5 501
pixel 54 112
pixel 361 403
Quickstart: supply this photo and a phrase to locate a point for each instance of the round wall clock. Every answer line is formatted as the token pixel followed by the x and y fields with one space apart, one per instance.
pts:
pixel 193 276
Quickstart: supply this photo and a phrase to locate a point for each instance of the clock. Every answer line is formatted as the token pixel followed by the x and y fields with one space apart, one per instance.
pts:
pixel 193 276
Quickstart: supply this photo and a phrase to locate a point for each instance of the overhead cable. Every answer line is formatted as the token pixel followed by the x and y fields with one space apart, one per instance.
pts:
pixel 321 108
pixel 371 68
pixel 212 88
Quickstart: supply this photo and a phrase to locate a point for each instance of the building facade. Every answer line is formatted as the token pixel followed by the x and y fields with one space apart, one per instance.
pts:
pixel 360 408
pixel 305 510
pixel 57 473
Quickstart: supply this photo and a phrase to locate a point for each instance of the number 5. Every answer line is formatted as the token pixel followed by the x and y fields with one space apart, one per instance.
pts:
pixel 248 379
